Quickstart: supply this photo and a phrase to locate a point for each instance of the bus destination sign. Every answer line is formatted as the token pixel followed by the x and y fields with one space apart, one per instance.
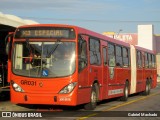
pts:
pixel 45 33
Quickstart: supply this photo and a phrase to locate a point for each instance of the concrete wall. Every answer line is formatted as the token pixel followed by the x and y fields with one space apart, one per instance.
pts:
pixel 158 65
pixel 157 38
pixel 146 37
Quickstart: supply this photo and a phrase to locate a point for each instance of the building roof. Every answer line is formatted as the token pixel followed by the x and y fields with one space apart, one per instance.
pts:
pixel 14 21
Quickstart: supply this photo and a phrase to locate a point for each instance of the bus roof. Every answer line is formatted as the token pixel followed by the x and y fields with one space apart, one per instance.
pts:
pixel 91 33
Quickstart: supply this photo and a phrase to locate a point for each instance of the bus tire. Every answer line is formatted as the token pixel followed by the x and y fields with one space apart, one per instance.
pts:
pixel 93 99
pixel 147 88
pixel 126 92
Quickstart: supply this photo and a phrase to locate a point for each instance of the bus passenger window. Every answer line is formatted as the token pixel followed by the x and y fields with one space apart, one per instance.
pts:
pixel 111 55
pixel 125 57
pixel 153 61
pixel 118 56
pixel 139 59
pixel 104 56
pixel 94 49
pixel 82 53
pixel 149 60
pixel 146 60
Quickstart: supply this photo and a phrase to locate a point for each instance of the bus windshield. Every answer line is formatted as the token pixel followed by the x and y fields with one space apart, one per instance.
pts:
pixel 43 59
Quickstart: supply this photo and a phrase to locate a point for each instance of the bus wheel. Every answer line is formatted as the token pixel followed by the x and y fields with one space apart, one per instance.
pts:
pixel 147 89
pixel 125 96
pixel 93 99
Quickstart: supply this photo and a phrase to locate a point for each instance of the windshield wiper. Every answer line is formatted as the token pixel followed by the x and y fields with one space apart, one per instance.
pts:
pixel 53 49
pixel 28 46
pixel 30 52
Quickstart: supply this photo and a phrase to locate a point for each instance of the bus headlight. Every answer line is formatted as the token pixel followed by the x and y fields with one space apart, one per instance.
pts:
pixel 16 87
pixel 69 88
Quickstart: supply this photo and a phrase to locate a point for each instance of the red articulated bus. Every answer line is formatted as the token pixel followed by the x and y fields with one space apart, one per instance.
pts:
pixel 69 65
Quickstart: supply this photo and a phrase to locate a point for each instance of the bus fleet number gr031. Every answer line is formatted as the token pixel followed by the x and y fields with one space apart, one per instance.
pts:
pixel 25 82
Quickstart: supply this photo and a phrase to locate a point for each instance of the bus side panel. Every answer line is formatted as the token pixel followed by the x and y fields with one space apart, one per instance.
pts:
pixel 84 89
pixel 103 93
pixel 140 81
pixel 115 91
pixel 122 74
pixel 83 95
pixel 148 73
pixel 154 78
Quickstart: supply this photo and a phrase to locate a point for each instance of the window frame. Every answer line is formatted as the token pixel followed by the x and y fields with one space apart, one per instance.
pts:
pixel 105 58
pixel 146 59
pixel 139 65
pixel 149 60
pixel 126 57
pixel 95 51
pixel 153 60
pixel 119 55
pixel 113 55
pixel 83 40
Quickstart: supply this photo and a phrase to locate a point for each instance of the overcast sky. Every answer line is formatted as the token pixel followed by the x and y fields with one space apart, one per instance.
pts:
pixel 96 15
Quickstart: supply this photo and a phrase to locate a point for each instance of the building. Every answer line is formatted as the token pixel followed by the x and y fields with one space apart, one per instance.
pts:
pixel 8 23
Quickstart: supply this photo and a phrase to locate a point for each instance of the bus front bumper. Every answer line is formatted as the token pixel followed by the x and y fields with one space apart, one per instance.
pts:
pixel 48 99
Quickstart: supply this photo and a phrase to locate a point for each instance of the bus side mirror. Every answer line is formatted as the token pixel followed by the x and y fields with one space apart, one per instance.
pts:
pixel 8 46
pixel 8 41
